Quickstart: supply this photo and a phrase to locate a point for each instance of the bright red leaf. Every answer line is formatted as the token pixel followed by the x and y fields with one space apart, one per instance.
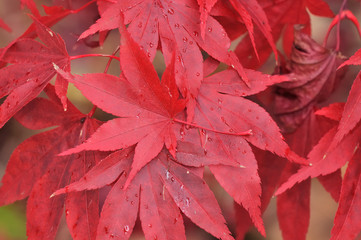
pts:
pixel 175 26
pixel 347 223
pixel 146 106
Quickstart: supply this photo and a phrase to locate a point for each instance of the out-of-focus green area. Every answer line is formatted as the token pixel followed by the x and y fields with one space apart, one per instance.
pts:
pixel 12 223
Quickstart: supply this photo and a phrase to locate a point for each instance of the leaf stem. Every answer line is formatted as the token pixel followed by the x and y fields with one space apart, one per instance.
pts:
pixel 82 7
pixel 338 36
pixel 93 55
pixel 246 133
pixel 92 111
pixel 110 60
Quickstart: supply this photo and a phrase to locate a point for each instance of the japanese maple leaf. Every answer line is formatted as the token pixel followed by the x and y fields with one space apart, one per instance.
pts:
pixel 221 113
pixel 35 171
pixel 282 17
pixel 31 69
pixel 347 223
pixel 176 25
pixel 312 69
pixel 295 202
pixel 145 104
pixel 325 160
pixel 249 12
pixel 351 114
pixel 158 191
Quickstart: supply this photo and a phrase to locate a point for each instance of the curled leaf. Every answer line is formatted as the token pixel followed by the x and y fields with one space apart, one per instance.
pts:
pixel 312 69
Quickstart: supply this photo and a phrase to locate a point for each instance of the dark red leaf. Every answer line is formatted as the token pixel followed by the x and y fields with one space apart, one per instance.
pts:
pixel 31 70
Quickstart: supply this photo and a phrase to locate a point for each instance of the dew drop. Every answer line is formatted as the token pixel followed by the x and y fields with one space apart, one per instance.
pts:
pixel 220 101
pixel 230 130
pixel 171 11
pixel 210 139
pixel 149 55
pixel 132 202
pixel 176 25
pixel 187 127
pixel 172 179
pixel 205 151
pixel 111 235
pixel 151 44
pixel 190 42
pixel 210 29
pixel 185 39
pixel 198 74
pixel 150 225
pixel 126 229
pixel 140 24
pixel 195 33
pixel 187 202
pixel 67 212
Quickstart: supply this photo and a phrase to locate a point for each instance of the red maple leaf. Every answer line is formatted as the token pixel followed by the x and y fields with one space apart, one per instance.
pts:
pixel 36 171
pixel 148 106
pixel 282 16
pixel 31 69
pixel 175 26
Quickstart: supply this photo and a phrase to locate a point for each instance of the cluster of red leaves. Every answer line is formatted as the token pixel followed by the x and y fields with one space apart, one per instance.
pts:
pixel 150 159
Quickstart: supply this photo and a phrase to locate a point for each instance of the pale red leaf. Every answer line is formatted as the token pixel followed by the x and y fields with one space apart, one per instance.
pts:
pixel 347 222
pixel 244 177
pixel 324 160
pixel 104 173
pixel 353 60
pixel 333 111
pixel 293 211
pixel 238 115
pixel 193 197
pixel 32 7
pixel 351 114
pixel 41 208
pixel 159 215
pixel 229 82
pixel 119 212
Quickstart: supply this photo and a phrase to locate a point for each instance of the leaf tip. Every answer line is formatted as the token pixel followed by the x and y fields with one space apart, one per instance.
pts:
pixel 56 67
